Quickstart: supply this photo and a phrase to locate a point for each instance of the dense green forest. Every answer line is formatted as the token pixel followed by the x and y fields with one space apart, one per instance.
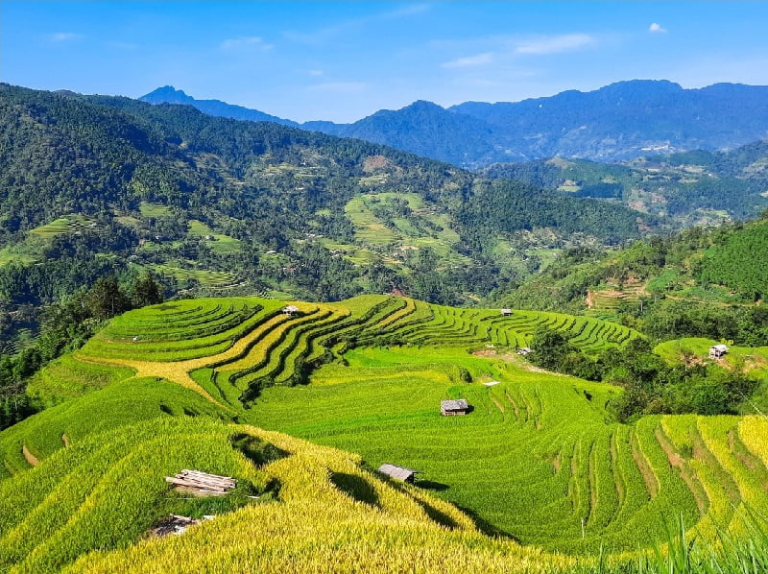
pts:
pixel 211 203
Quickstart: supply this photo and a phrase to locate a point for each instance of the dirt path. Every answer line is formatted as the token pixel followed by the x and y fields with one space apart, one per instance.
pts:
pixel 65 440
pixel 31 458
pixel 516 360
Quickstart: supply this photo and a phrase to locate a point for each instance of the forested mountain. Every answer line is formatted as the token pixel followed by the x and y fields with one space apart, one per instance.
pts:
pixel 620 121
pixel 703 282
pixel 698 187
pixel 92 186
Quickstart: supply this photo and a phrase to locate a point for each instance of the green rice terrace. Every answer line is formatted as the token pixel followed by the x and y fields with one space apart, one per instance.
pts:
pixel 213 384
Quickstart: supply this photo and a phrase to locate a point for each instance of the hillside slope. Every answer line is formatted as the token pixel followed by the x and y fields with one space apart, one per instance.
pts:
pixel 688 188
pixel 91 186
pixel 702 282
pixel 538 457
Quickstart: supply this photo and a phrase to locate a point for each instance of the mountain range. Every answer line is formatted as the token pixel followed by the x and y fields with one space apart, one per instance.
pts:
pixel 617 122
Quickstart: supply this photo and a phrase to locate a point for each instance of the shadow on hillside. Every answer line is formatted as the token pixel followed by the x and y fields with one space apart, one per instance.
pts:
pixel 484 526
pixel 432 485
pixel 260 453
pixel 436 515
pixel 355 487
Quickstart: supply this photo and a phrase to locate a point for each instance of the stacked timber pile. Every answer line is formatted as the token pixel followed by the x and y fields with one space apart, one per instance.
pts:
pixel 201 484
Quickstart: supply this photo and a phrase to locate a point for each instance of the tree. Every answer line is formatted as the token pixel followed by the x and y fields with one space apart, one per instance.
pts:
pixel 146 291
pixel 549 349
pixel 107 299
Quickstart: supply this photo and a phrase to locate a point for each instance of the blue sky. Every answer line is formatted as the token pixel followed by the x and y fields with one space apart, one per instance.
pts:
pixel 341 61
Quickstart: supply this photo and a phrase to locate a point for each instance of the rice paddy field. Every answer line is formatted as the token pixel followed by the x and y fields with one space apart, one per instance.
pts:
pixel 302 407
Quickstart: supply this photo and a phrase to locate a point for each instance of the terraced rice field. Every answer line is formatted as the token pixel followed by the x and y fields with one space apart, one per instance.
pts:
pixel 235 347
pixel 87 509
pixel 205 277
pixel 538 458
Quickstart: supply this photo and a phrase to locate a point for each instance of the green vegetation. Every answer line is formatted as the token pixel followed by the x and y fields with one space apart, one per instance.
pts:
pixel 687 383
pixel 220 207
pixel 699 283
pixel 66 326
pixel 737 262
pixel 699 188
pixel 540 457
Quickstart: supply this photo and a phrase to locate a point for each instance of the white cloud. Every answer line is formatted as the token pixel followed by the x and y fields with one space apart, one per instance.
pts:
pixel 405 11
pixel 323 35
pixel 470 61
pixel 656 29
pixel 340 87
pixel 315 73
pixel 65 36
pixel 554 44
pixel 245 42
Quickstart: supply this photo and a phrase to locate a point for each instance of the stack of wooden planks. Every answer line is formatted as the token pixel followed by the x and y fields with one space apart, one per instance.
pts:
pixel 201 483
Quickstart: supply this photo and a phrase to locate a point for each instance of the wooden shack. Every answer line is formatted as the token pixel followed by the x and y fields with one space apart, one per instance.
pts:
pixel 290 309
pixel 524 351
pixel 506 312
pixel 398 472
pixel 454 407
pixel 199 483
pixel 717 351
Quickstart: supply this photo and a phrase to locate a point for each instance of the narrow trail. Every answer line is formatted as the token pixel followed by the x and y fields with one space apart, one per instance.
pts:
pixel 30 458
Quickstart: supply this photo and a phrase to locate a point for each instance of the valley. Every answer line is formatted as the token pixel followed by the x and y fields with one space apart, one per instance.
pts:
pixel 481 337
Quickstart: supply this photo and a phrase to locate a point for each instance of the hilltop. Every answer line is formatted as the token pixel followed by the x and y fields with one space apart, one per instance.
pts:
pixel 617 122
pixel 539 458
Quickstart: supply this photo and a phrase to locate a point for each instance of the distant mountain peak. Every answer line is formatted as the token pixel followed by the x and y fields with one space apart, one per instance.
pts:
pixel 167 95
pixel 424 105
pixel 170 95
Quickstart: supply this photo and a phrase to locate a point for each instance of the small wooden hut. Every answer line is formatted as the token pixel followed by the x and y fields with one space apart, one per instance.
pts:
pixel 398 472
pixel 454 407
pixel 717 351
pixel 506 312
pixel 290 309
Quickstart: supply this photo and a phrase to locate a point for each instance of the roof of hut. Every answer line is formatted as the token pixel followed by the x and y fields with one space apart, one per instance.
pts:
pixel 455 405
pixel 398 472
